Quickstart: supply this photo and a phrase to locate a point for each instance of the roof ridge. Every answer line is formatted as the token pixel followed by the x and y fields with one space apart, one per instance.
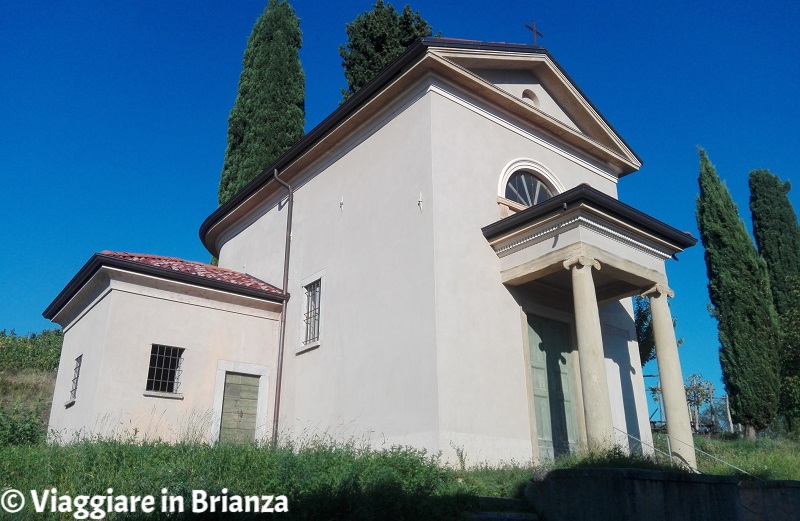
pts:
pixel 146 255
pixel 164 257
pixel 180 265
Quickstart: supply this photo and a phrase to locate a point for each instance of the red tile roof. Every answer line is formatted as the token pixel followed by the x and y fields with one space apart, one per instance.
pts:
pixel 197 269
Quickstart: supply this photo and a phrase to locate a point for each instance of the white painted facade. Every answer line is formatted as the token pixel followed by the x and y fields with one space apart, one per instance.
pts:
pixel 424 336
pixel 113 321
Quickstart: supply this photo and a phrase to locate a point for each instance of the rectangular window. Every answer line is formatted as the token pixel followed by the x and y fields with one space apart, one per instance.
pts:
pixel 164 373
pixel 73 394
pixel 311 316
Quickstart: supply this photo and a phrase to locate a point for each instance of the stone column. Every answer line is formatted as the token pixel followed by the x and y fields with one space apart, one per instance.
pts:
pixel 594 387
pixel 676 410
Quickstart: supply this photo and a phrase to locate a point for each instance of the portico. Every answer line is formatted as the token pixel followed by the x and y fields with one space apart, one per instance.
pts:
pixel 586 248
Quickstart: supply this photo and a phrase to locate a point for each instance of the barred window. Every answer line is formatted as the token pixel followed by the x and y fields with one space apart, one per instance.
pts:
pixel 164 373
pixel 73 393
pixel 311 316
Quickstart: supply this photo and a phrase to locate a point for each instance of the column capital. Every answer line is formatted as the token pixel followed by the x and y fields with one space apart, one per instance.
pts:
pixel 583 260
pixel 661 290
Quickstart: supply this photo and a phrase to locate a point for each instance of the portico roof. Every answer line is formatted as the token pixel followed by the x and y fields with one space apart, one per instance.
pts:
pixel 535 245
pixel 582 195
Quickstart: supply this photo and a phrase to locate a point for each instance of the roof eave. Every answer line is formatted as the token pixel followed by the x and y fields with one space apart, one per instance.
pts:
pixel 100 260
pixel 586 194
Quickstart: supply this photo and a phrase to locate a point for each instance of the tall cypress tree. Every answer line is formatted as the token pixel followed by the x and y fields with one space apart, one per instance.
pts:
pixel 269 112
pixel 374 39
pixel 778 238
pixel 777 234
pixel 790 362
pixel 738 286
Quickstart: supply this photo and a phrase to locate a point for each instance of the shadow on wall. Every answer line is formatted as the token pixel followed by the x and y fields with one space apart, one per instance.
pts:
pixel 616 348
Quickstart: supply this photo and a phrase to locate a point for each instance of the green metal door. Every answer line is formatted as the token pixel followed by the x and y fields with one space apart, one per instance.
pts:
pixel 239 405
pixel 551 374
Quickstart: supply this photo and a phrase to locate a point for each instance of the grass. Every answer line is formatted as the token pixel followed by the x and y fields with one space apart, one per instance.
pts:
pixel 505 480
pixel 25 399
pixel 327 480
pixel 765 458
pixel 509 480
pixel 322 480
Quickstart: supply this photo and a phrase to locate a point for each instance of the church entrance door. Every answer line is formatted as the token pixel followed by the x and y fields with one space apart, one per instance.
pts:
pixel 553 396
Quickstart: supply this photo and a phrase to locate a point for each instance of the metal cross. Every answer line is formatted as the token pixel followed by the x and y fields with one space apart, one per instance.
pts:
pixel 532 28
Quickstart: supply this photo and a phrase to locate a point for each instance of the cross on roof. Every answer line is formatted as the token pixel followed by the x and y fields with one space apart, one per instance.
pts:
pixel 532 27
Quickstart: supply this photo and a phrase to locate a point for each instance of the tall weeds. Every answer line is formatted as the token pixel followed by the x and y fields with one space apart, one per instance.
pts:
pixel 321 480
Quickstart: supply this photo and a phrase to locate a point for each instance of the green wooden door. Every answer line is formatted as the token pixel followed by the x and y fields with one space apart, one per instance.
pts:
pixel 553 397
pixel 239 405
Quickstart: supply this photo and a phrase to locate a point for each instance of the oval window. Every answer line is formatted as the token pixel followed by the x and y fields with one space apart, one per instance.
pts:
pixel 525 188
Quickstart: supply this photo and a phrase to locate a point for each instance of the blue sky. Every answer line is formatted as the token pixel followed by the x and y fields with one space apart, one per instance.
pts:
pixel 114 118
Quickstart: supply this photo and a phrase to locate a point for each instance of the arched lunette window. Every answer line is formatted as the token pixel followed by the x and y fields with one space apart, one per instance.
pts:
pixel 525 188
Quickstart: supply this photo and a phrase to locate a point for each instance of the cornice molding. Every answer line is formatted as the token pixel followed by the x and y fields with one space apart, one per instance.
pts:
pixel 597 203
pixel 539 233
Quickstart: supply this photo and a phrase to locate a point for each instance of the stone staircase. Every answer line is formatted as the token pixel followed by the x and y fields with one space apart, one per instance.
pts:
pixel 497 508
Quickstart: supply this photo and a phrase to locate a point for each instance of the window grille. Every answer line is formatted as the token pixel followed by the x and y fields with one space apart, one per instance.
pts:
pixel 311 317
pixel 165 369
pixel 73 393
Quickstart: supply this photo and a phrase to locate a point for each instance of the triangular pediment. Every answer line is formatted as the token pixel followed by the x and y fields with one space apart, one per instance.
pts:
pixel 533 79
pixel 527 86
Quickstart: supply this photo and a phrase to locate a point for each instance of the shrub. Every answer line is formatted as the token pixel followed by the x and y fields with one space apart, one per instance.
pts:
pixel 20 425
pixel 40 351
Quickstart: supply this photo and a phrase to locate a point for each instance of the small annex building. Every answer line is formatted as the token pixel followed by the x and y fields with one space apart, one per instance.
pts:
pixel 459 278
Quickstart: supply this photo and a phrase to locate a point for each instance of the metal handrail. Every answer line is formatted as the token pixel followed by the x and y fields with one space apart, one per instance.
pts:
pixel 701 451
pixel 644 443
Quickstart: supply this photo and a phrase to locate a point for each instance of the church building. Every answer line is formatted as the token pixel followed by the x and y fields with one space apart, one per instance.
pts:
pixel 442 262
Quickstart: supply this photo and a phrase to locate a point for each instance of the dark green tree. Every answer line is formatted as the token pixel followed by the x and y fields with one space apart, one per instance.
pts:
pixel 643 320
pixel 777 234
pixel 738 286
pixel 269 112
pixel 790 360
pixel 778 238
pixel 644 329
pixel 374 39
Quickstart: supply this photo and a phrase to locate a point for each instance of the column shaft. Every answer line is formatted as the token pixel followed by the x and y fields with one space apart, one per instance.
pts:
pixel 669 370
pixel 594 386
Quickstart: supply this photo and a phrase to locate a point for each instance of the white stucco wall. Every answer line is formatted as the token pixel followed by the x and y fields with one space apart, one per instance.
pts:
pixel 116 336
pixel 624 374
pixel 85 337
pixel 358 220
pixel 421 343
pixel 483 395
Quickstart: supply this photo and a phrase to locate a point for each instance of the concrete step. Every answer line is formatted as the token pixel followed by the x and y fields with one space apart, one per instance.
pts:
pixel 500 504
pixel 507 516
pixel 497 508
